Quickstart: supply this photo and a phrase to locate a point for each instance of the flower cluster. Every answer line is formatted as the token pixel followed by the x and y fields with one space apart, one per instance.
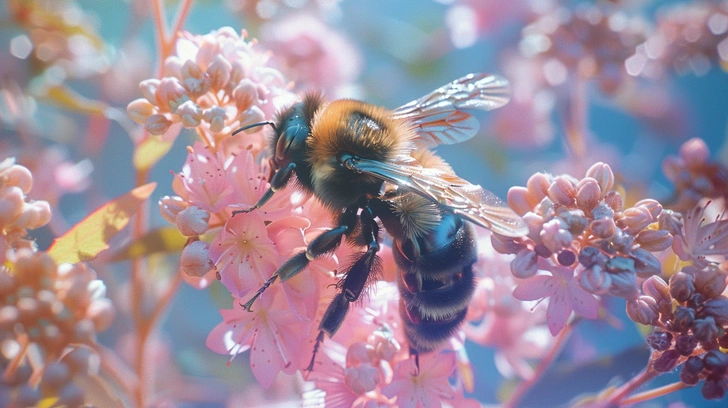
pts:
pixel 16 214
pixel 690 315
pixel 49 314
pixel 594 40
pixel 581 234
pixel 695 176
pixel 689 39
pixel 216 83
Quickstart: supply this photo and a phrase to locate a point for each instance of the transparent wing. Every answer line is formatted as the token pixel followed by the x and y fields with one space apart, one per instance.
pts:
pixel 471 202
pixel 439 117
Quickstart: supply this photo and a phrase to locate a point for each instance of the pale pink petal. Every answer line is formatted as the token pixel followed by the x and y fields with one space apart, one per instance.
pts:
pixel 558 312
pixel 204 177
pixel 535 288
pixel 583 302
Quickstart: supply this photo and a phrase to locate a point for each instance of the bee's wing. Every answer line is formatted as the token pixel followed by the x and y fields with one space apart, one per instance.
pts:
pixel 471 202
pixel 439 117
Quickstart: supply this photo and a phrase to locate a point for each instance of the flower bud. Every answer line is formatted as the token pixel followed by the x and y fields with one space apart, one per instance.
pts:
pixel 101 312
pixel 713 388
pixel 219 72
pixel 215 116
pixel 140 110
pixel 562 191
pixel 603 174
pixel 595 280
pixel 654 240
pixel 694 153
pixel 666 361
pixel 614 200
pixel 518 200
pixel 681 286
pixel 357 354
pixel 192 221
pixel 657 288
pixel 148 88
pixel 245 95
pixel 660 340
pixel 12 201
pixel 710 282
pixel 693 365
pixel 17 175
pixel 525 264
pixel 718 309
pixel 169 207
pixel 643 310
pixel 554 236
pixel 634 220
pixel 716 361
pixel 362 379
pixel 705 330
pixel 620 264
pixel 190 114
pixel 534 222
pixel 683 319
pixel 170 94
pixel 538 187
pixel 590 255
pixel 157 124
pixel 603 228
pixel 588 194
pixel 35 215
pixel 653 206
pixel 685 344
pixel 505 245
pixel 645 264
pixel 194 260
pixel 575 221
pixel 624 285
pixel 671 222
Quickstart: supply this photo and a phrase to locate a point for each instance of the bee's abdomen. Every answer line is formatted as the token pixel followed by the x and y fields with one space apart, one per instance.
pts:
pixel 436 282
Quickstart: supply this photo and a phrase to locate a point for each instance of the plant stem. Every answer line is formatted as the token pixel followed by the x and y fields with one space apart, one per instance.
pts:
pixel 543 365
pixel 650 394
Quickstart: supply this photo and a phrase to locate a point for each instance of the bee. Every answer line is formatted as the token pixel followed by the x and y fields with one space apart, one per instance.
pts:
pixel 372 166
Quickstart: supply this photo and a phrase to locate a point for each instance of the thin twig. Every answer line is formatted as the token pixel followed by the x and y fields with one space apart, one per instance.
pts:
pixel 543 365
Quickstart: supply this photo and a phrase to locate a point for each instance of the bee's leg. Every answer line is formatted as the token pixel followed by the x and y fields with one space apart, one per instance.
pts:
pixel 279 180
pixel 322 244
pixel 353 284
pixel 416 355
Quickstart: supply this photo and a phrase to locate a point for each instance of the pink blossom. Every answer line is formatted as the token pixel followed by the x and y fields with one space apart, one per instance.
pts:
pixel 428 388
pixel 703 240
pixel 203 176
pixel 564 293
pixel 243 253
pixel 272 333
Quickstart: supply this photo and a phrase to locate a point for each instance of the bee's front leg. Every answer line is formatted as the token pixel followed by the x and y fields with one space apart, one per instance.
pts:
pixel 277 182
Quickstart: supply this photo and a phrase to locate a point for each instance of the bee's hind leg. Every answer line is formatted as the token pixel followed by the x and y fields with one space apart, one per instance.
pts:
pixel 353 284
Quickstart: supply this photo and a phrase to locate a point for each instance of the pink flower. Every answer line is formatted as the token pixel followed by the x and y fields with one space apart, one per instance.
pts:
pixel 243 253
pixel 702 239
pixel 203 176
pixel 564 293
pixel 272 333
pixel 428 388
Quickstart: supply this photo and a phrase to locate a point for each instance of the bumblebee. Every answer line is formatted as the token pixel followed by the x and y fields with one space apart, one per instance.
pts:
pixel 372 166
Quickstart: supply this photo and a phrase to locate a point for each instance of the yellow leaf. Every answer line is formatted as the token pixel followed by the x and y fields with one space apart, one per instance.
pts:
pixel 166 239
pixel 151 150
pixel 69 99
pixel 86 239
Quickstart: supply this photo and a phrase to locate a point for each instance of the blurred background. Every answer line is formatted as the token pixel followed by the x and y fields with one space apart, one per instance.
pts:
pixel 624 82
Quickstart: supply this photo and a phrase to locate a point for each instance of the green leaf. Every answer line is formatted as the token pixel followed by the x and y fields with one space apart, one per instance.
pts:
pixel 85 240
pixel 165 239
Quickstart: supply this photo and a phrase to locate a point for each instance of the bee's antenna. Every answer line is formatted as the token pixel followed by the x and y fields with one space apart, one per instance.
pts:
pixel 267 122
